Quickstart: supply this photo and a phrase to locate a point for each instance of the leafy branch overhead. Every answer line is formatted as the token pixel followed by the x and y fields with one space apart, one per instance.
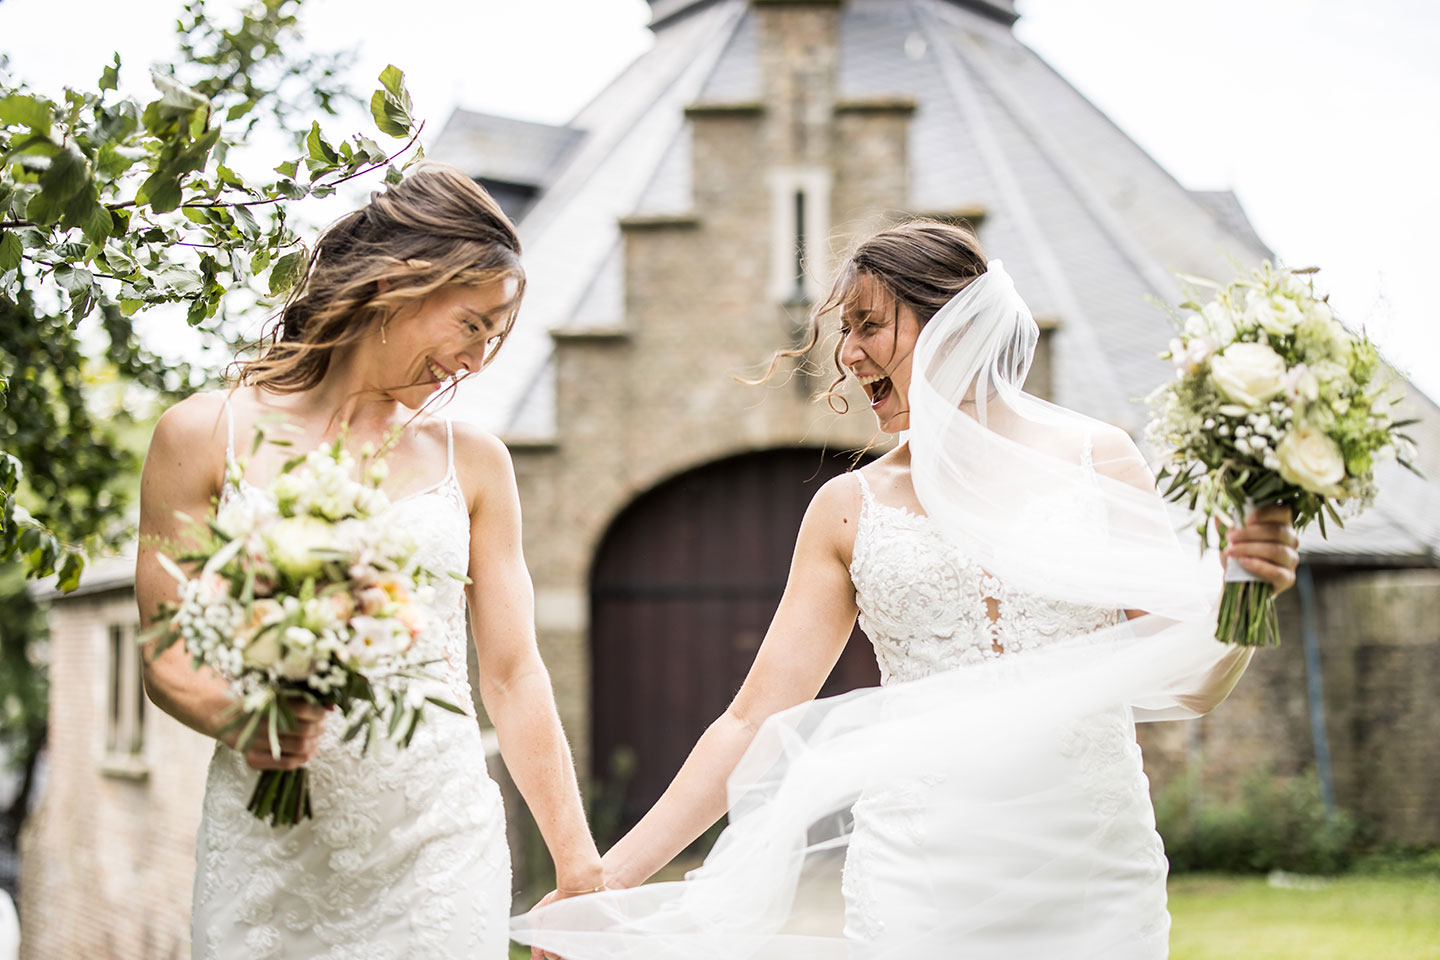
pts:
pixel 110 205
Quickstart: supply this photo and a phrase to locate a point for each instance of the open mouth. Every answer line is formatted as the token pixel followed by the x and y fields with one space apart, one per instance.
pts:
pixel 878 388
pixel 439 373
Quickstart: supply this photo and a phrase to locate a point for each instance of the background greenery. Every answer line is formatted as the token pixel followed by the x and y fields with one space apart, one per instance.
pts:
pixel 110 207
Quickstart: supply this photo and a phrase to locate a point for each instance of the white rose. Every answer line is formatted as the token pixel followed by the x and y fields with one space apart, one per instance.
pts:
pixel 293 542
pixel 1273 314
pixel 299 653
pixel 1310 459
pixel 1221 323
pixel 263 652
pixel 1248 373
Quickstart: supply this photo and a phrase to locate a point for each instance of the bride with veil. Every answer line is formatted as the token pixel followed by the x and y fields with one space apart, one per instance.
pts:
pixel 1029 599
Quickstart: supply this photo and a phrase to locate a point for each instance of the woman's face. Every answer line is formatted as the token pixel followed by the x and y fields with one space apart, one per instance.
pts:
pixel 448 334
pixel 878 339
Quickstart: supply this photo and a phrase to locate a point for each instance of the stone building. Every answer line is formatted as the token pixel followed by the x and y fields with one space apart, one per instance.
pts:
pixel 676 233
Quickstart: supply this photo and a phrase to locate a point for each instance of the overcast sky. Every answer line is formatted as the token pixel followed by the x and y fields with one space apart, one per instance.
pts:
pixel 1321 114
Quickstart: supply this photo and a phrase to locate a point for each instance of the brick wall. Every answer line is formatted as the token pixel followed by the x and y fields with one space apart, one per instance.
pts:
pixel 107 859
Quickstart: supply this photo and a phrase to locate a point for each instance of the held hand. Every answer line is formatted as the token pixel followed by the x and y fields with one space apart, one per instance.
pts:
pixel 1267 546
pixel 554 895
pixel 297 747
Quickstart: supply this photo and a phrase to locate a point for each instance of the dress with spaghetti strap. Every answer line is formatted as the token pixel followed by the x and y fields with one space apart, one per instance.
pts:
pixel 405 856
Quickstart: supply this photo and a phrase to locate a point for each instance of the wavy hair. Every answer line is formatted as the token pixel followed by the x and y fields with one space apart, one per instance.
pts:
pixel 921 263
pixel 434 229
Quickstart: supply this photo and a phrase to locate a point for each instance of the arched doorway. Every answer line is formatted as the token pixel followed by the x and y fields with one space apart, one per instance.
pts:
pixel 683 588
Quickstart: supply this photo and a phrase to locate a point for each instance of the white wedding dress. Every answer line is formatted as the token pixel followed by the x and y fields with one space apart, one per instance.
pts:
pixel 987 801
pixel 910 868
pixel 406 854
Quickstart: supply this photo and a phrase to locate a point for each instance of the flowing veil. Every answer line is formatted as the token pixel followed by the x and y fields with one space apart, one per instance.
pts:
pixel 1010 480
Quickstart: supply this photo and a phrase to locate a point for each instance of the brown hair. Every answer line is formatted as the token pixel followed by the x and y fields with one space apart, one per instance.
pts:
pixel 435 228
pixel 920 263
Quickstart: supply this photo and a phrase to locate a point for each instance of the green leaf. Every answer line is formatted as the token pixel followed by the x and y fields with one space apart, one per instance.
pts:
pixel 288 168
pixel 75 280
pixel 67 174
pixel 390 115
pixel 176 99
pixel 392 78
pixel 370 150
pixel 245 220
pixel 32 112
pixel 110 76
pixel 96 223
pixel 11 250
pixel 286 272
pixel 319 148
pixel 393 175
pixel 161 191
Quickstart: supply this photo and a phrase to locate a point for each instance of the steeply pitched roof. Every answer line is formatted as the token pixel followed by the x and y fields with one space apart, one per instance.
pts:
pixel 1090 226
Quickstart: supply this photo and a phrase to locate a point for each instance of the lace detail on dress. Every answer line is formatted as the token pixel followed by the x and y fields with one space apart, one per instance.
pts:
pixel 926 607
pixel 406 855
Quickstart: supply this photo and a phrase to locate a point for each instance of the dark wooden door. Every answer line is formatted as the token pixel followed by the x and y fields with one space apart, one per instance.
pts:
pixel 683 588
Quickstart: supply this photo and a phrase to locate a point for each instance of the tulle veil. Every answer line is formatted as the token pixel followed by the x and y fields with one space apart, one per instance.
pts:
pixel 1052 503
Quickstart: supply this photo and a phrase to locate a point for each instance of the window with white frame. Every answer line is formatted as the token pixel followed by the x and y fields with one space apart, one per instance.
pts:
pixel 800 224
pixel 125 696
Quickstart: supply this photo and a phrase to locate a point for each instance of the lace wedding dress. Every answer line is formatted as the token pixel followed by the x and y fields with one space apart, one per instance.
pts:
pixel 406 855
pixel 927 609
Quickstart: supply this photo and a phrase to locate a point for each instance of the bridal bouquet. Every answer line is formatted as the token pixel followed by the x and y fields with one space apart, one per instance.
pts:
pixel 1273 401
pixel 304 592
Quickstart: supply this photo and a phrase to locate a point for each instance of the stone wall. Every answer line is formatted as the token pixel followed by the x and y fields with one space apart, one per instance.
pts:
pixel 1379 640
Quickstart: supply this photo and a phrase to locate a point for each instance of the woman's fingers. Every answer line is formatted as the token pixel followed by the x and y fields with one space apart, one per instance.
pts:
pixel 1281 578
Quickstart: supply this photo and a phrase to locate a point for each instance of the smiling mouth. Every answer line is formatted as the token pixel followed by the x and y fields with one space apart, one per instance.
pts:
pixel 438 372
pixel 878 388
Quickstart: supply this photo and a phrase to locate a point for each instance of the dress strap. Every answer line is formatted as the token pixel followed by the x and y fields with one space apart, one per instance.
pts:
pixel 449 448
pixel 866 495
pixel 229 434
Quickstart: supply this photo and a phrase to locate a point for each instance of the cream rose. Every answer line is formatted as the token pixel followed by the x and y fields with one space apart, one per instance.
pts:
pixel 293 542
pixel 1310 459
pixel 264 652
pixel 1248 373
pixel 1276 314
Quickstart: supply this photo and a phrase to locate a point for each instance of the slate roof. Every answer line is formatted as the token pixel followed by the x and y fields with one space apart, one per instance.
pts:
pixel 1090 226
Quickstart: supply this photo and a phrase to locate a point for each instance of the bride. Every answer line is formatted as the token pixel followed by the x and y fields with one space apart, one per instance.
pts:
pixel 1027 598
pixel 406 854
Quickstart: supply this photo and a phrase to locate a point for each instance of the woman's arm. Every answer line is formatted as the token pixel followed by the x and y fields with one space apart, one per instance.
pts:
pixel 183 471
pixel 514 684
pixel 806 637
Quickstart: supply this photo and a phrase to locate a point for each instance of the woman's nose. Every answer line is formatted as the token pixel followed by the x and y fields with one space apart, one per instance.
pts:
pixel 850 352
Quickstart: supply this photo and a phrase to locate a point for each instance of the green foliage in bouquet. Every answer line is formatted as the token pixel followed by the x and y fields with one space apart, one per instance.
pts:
pixel 304 591
pixel 1274 402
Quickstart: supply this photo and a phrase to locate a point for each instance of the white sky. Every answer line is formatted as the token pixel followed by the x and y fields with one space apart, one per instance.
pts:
pixel 1321 114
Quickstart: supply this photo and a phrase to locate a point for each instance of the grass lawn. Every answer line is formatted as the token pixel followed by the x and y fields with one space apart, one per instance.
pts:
pixel 1225 917
pixel 1219 917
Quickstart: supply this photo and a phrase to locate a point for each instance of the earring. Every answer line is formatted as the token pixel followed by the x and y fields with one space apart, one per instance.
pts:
pixel 383 323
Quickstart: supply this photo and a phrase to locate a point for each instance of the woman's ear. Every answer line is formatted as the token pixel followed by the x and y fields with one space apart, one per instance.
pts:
pixel 382 285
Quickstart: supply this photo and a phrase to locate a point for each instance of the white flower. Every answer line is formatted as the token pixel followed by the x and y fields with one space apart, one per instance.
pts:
pixel 1301 384
pixel 1310 459
pixel 1276 314
pixel 1220 322
pixel 376 638
pixel 293 542
pixel 263 652
pixel 1248 373
pixel 299 653
pixel 1188 356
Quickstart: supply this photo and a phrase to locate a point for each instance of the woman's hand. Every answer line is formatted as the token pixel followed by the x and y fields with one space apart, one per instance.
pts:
pixel 555 895
pixel 297 747
pixel 1267 546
